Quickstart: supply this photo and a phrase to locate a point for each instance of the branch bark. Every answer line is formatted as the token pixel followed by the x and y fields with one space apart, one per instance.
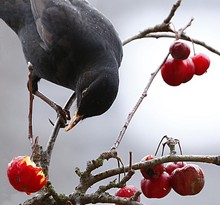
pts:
pixel 137 105
pixel 46 155
pixel 163 27
pixel 184 37
pixel 101 196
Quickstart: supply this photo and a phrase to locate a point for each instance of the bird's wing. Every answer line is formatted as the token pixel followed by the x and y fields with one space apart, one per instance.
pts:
pixel 74 23
pixel 38 7
pixel 52 19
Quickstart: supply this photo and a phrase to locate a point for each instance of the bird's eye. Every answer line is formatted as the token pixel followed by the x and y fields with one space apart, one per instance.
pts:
pixel 84 92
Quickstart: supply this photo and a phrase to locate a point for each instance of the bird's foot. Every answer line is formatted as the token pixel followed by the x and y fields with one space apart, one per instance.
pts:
pixel 63 115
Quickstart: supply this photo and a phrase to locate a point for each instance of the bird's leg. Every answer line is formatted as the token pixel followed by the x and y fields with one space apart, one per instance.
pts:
pixel 65 115
pixel 31 98
pixel 33 89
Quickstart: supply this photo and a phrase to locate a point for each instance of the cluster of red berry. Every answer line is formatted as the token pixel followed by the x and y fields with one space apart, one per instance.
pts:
pixel 185 179
pixel 181 68
pixel 157 182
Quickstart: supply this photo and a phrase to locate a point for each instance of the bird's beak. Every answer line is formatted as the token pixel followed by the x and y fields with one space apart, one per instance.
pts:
pixel 76 118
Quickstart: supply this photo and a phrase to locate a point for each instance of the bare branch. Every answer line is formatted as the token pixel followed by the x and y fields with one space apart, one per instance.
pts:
pixel 103 197
pixel 51 142
pixel 184 37
pixel 31 98
pixel 172 12
pixel 86 178
pixel 212 159
pixel 163 27
pixel 140 100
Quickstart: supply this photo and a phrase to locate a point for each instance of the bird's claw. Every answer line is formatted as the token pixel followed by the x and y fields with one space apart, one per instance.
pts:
pixel 63 115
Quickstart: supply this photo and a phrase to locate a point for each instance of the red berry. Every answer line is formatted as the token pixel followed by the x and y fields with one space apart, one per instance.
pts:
pixel 174 72
pixel 179 50
pixel 127 191
pixel 152 172
pixel 188 180
pixel 189 70
pixel 156 188
pixel 171 166
pixel 201 63
pixel 24 176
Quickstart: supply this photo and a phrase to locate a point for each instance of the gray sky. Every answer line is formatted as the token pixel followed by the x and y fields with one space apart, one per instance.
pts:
pixel 189 112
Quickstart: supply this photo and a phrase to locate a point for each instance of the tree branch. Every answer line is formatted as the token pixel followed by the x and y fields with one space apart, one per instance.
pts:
pixel 46 155
pixel 184 37
pixel 163 27
pixel 101 196
pixel 164 31
pixel 212 159
pixel 137 105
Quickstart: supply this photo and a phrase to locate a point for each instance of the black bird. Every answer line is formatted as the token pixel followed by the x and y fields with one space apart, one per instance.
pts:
pixel 71 44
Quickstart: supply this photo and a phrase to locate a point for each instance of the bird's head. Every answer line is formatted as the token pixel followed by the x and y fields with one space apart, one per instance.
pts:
pixel 96 91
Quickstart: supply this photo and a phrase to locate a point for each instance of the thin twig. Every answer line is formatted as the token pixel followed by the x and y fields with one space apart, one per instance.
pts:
pixel 158 147
pixel 172 12
pixel 57 125
pixel 163 27
pixel 163 30
pixel 140 100
pixel 31 98
pixel 86 178
pixel 54 134
pixel 181 31
pixel 113 184
pixel 184 37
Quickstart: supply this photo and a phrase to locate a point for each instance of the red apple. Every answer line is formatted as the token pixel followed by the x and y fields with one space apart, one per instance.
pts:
pixel 179 50
pixel 174 72
pixel 25 176
pixel 156 188
pixel 151 172
pixel 189 70
pixel 127 191
pixel 188 180
pixel 201 63
pixel 171 166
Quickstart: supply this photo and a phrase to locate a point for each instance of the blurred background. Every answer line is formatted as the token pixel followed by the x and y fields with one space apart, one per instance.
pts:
pixel 189 112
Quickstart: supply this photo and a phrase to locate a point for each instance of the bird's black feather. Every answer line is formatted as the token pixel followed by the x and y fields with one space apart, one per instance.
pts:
pixel 71 44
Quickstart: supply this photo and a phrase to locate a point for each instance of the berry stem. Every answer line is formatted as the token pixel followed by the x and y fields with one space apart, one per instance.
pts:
pixel 181 31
